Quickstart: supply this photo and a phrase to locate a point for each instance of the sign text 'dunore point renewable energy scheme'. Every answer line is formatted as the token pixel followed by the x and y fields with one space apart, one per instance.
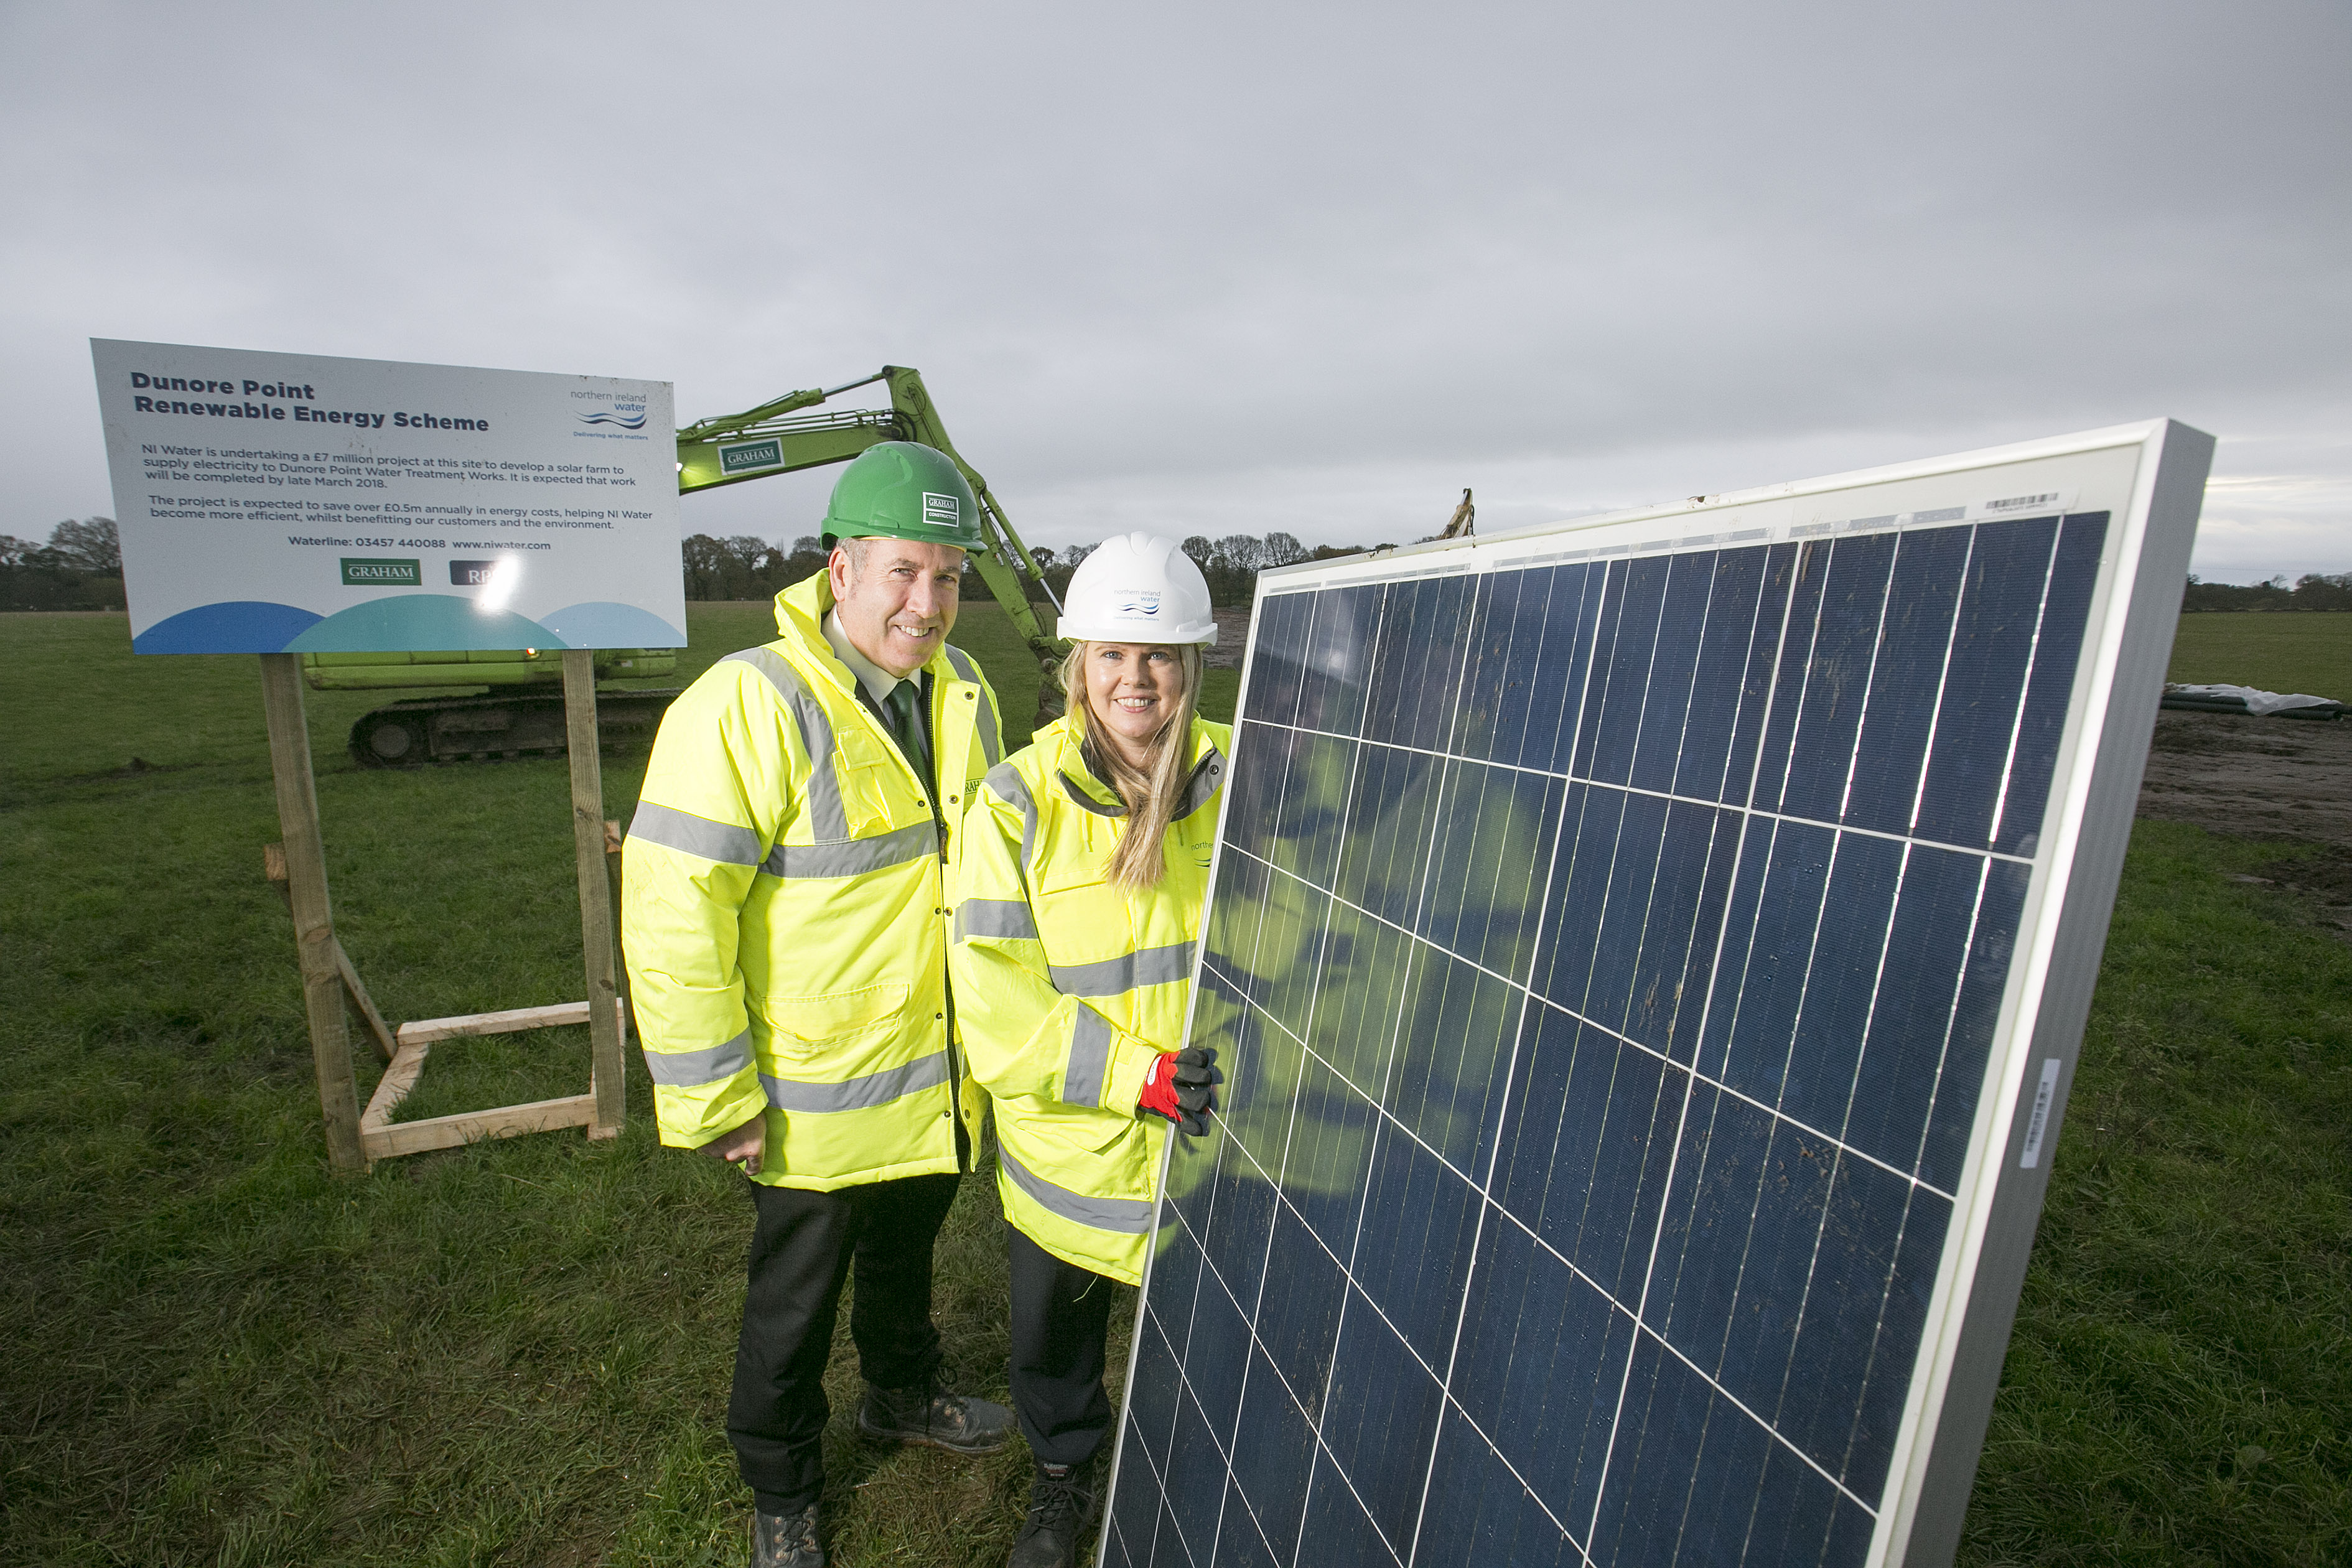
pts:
pixel 297 503
pixel 1648 956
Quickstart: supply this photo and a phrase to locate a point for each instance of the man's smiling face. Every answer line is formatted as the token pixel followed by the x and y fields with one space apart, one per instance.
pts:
pixel 896 598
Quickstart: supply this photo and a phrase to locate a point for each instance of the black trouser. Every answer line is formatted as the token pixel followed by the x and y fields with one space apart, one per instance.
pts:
pixel 1060 1314
pixel 801 1250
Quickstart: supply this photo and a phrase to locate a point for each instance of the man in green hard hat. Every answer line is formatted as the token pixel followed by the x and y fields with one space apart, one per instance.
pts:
pixel 786 930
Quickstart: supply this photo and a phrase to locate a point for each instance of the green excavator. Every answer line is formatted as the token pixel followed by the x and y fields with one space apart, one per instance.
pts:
pixel 516 706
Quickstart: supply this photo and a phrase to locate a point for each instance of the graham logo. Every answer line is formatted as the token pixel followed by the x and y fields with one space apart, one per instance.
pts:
pixel 743 457
pixel 942 511
pixel 629 418
pixel 359 572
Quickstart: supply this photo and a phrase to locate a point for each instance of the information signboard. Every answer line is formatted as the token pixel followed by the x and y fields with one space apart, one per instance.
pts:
pixel 297 503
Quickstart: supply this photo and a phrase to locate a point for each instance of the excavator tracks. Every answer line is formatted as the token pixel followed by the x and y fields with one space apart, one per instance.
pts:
pixel 422 729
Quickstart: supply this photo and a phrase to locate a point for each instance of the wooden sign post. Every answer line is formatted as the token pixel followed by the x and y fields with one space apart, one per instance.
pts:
pixel 356 1138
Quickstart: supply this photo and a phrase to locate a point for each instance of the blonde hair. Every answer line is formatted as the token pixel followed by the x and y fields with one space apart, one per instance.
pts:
pixel 1151 793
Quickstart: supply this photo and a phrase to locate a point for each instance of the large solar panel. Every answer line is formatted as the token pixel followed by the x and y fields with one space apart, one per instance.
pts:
pixel 1648 956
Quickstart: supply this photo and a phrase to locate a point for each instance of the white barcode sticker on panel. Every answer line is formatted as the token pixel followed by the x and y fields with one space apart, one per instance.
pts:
pixel 2028 503
pixel 2039 1122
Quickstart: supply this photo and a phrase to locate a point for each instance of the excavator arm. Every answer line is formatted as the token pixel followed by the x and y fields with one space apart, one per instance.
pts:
pixel 522 713
pixel 777 438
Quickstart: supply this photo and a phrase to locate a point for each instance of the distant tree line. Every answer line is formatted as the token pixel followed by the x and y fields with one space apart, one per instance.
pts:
pixel 743 567
pixel 81 568
pixel 2313 591
pixel 1230 564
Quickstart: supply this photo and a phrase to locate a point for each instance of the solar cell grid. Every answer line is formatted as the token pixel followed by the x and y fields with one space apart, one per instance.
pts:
pixel 1605 957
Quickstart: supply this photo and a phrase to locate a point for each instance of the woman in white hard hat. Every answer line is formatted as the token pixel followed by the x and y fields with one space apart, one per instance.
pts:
pixel 1078 897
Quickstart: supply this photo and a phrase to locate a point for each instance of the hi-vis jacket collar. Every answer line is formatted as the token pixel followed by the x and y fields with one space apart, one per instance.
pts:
pixel 801 610
pixel 1089 792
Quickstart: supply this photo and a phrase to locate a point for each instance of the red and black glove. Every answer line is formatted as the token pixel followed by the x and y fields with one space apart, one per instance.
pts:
pixel 1182 1085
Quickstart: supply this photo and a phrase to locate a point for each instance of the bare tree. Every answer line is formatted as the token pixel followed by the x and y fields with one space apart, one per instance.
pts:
pixel 704 559
pixel 92 545
pixel 1243 552
pixel 1201 550
pixel 1284 549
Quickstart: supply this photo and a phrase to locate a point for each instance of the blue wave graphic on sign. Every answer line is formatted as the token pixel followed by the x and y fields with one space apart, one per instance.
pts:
pixel 606 416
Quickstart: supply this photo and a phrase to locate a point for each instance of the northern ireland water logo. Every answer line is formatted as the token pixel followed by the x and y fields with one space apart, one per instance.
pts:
pixel 1138 603
pixel 628 415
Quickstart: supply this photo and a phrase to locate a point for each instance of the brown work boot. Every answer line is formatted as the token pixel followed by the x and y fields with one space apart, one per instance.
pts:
pixel 785 1540
pixel 1061 1506
pixel 928 1413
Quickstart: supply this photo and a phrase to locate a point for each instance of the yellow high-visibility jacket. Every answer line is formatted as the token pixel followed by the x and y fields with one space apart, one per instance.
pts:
pixel 1067 989
pixel 784 911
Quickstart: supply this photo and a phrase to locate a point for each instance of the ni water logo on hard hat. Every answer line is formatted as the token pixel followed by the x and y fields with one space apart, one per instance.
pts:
pixel 941 511
pixel 1140 602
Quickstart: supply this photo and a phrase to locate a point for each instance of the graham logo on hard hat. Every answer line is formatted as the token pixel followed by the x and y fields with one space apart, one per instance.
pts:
pixel 942 511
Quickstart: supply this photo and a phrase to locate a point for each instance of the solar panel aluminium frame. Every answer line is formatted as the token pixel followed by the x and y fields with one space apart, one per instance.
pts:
pixel 2150 477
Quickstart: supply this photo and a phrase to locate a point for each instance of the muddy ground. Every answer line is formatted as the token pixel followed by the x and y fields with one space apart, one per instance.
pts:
pixel 1232 639
pixel 2262 778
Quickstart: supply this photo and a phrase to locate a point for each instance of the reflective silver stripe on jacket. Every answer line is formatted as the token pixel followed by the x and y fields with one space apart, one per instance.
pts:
pixel 1013 790
pixel 1116 976
pixel 859 1093
pixel 1009 919
pixel 854 856
pixel 1129 1217
pixel 992 740
pixel 1090 1039
pixel 692 1069
pixel 683 831
pixel 828 822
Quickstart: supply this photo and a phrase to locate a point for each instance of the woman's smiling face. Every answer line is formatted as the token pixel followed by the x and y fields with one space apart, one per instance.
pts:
pixel 1131 688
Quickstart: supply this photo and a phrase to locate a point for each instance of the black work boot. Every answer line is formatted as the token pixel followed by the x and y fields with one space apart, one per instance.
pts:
pixel 1061 1506
pixel 785 1540
pixel 928 1414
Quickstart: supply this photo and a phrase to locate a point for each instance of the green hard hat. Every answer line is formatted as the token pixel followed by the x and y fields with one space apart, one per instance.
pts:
pixel 900 490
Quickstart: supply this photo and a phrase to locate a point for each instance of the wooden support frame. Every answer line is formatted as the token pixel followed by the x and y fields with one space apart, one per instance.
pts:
pixel 273 867
pixel 331 987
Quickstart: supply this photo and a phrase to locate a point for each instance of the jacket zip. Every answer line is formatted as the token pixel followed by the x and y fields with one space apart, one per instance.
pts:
pixel 930 792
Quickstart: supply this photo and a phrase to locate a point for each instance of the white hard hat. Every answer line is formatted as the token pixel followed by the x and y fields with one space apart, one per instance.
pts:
pixel 1141 588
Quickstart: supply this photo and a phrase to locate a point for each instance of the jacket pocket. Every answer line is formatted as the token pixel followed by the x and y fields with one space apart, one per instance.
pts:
pixel 1102 1152
pixel 875 786
pixel 801 1026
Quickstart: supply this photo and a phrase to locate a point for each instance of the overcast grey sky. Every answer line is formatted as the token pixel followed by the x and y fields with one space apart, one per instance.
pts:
pixel 1219 267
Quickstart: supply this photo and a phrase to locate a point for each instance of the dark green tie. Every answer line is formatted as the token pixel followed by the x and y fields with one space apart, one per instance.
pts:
pixel 904 703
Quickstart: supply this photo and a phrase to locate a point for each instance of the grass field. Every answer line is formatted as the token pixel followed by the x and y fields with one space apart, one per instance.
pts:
pixel 2309 652
pixel 517 1352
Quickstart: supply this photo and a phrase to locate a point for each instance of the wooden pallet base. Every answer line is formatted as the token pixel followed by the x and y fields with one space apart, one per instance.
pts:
pixel 381 1137
pixel 475 1126
pixel 332 988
